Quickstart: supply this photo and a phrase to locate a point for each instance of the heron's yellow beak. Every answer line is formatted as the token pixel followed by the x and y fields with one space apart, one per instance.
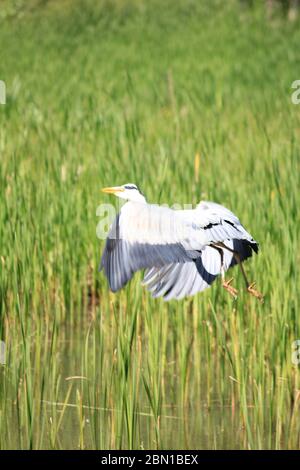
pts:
pixel 113 190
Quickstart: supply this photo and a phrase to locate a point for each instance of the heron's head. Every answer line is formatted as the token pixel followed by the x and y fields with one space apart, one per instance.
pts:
pixel 128 191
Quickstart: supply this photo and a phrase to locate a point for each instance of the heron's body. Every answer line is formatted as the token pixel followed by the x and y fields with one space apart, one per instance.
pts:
pixel 182 251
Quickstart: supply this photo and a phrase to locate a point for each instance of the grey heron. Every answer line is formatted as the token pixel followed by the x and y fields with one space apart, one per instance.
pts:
pixel 181 251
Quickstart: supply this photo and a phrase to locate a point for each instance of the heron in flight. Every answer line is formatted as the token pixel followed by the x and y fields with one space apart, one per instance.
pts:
pixel 181 251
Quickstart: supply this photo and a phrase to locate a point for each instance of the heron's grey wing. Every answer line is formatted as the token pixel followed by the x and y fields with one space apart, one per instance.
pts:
pixel 143 236
pixel 182 279
pixel 179 280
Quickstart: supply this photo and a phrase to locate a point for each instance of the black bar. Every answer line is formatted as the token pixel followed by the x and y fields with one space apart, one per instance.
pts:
pixel 133 459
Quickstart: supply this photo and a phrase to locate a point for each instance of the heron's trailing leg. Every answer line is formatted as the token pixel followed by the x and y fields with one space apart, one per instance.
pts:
pixel 250 286
pixel 226 284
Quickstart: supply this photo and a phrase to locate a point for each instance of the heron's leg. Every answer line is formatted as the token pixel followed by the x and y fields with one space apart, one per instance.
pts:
pixel 250 286
pixel 226 284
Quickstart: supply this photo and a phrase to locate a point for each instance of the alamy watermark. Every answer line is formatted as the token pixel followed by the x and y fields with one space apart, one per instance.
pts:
pixel 152 219
pixel 296 94
pixel 2 353
pixel 2 92
pixel 296 352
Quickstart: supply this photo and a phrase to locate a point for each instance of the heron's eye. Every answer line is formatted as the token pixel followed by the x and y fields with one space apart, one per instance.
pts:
pixel 130 187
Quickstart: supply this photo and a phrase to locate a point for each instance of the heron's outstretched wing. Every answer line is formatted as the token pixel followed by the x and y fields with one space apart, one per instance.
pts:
pixel 178 280
pixel 143 236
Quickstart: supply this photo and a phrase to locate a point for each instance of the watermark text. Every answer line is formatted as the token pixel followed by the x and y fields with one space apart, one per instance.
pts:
pixel 2 92
pixel 296 94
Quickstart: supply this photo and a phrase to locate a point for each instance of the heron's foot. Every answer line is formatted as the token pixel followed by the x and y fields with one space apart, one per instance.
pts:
pixel 251 289
pixel 232 291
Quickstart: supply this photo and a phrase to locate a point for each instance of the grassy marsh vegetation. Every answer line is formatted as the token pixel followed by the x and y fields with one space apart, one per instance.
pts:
pixel 101 94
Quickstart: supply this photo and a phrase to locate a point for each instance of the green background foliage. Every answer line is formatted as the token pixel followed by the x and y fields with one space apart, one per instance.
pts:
pixel 104 93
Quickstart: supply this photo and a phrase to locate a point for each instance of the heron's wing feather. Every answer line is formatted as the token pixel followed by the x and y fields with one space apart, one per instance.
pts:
pixel 179 280
pixel 191 229
pixel 220 224
pixel 143 236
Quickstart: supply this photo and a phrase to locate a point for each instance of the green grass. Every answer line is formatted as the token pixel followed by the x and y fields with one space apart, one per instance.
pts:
pixel 131 91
